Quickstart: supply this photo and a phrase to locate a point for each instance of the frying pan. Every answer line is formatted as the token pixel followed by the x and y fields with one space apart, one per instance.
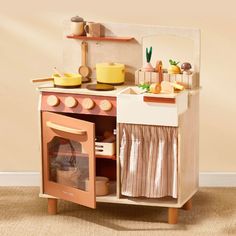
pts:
pixel 67 81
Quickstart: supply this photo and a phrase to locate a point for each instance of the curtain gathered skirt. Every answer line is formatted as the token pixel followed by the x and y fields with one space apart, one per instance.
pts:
pixel 148 159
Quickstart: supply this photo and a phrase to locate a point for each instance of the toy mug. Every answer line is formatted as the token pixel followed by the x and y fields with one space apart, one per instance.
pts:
pixel 93 29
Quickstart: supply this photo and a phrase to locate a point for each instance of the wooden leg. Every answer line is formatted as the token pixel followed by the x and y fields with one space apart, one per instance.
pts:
pixel 188 205
pixel 172 215
pixel 52 206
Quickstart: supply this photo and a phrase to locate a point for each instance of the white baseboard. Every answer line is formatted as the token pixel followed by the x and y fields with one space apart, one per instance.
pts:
pixel 206 179
pixel 217 179
pixel 19 178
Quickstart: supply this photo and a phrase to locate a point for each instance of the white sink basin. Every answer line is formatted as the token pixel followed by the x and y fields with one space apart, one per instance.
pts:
pixel 150 109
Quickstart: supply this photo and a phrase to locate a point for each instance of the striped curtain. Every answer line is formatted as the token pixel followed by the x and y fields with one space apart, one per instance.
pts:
pixel 148 159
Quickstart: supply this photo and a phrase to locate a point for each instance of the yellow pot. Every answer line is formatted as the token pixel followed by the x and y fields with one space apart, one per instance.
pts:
pixel 69 80
pixel 110 73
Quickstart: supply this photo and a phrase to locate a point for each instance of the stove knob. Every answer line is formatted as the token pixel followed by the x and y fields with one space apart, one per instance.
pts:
pixel 70 102
pixel 105 105
pixel 53 101
pixel 88 103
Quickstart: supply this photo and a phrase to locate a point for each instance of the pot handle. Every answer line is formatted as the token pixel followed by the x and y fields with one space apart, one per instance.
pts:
pixel 86 29
pixel 41 80
pixel 65 129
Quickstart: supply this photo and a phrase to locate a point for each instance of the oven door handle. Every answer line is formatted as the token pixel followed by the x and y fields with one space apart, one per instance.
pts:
pixel 65 129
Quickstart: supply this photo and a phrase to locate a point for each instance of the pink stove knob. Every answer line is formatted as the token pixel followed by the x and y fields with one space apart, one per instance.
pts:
pixel 53 101
pixel 105 105
pixel 70 102
pixel 88 103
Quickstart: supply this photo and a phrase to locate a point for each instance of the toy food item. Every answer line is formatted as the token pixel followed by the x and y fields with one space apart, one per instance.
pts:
pixel 148 67
pixel 178 86
pixel 159 70
pixel 168 87
pixel 155 88
pixel 144 87
pixel 186 66
pixel 174 68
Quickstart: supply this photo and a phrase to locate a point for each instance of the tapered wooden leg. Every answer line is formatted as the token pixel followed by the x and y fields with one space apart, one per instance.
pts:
pixel 188 205
pixel 172 215
pixel 52 206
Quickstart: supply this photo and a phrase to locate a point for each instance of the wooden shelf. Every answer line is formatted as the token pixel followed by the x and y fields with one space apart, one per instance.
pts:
pixel 78 154
pixel 107 38
pixel 106 157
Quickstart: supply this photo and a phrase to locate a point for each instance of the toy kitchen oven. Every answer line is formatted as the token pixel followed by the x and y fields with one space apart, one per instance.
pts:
pixel 122 146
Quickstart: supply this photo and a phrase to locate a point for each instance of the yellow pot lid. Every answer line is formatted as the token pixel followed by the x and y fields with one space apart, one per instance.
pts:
pixel 110 65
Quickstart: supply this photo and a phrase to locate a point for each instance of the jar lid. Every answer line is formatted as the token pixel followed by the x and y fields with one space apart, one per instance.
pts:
pixel 77 19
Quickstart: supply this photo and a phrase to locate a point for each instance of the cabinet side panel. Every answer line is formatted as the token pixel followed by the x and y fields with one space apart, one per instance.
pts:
pixel 118 180
pixel 188 150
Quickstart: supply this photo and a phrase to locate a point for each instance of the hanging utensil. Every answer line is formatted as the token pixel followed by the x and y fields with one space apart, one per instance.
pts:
pixel 83 69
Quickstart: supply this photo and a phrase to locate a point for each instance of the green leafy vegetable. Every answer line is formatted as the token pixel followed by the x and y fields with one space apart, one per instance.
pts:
pixel 148 54
pixel 173 63
pixel 144 86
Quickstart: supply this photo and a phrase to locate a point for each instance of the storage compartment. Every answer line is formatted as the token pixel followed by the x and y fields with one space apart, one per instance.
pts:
pixel 107 168
pixel 148 160
pixel 151 109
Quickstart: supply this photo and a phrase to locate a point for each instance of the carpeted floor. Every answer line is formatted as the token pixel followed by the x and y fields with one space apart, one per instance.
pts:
pixel 22 212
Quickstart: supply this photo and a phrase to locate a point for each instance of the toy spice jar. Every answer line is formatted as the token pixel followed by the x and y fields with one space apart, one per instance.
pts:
pixel 77 25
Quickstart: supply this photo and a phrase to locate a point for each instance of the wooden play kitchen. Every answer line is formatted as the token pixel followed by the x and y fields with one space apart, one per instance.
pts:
pixel 135 143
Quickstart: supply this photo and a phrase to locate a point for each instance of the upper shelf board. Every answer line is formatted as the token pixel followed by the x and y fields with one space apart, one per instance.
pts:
pixel 107 38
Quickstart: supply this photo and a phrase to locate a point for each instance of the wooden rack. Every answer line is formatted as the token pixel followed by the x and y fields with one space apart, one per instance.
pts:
pixel 107 38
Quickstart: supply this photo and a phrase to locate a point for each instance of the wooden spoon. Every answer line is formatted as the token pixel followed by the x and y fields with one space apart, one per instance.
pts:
pixel 83 69
pixel 58 72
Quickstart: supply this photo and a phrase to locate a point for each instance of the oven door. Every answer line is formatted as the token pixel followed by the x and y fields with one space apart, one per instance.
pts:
pixel 69 158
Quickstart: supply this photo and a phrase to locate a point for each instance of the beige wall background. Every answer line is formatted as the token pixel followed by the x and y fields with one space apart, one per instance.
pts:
pixel 31 45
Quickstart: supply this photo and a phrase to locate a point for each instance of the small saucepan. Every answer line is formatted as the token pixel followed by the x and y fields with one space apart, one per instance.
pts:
pixel 66 81
pixel 102 185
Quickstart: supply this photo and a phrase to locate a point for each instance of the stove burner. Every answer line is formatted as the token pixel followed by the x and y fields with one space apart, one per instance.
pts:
pixel 100 87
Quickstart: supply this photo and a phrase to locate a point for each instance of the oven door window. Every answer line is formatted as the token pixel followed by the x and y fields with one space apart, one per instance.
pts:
pixel 68 163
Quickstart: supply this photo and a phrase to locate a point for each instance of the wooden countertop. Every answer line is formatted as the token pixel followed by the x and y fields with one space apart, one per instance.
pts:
pixel 113 93
pixel 85 91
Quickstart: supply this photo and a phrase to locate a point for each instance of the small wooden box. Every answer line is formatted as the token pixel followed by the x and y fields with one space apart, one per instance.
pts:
pixel 105 149
pixel 188 81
